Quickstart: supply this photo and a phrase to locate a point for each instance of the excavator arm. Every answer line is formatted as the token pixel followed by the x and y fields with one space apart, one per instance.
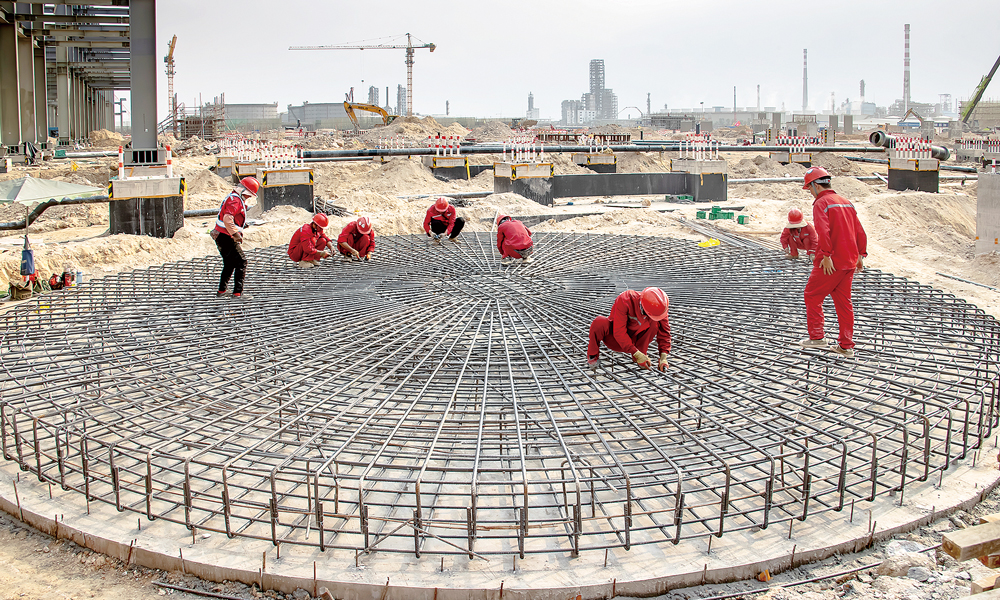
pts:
pixel 978 94
pixel 350 107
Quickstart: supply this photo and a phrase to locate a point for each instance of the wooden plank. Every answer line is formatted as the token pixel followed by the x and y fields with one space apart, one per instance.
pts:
pixel 985 584
pixel 972 542
pixel 994 518
pixel 992 561
pixel 993 594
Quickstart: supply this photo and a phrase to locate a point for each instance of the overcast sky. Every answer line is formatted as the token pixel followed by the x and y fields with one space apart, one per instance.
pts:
pixel 491 54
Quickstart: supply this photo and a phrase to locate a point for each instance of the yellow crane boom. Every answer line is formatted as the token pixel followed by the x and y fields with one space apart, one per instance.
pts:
pixel 409 47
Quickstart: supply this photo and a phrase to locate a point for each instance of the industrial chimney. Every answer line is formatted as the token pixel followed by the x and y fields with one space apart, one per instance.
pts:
pixel 805 80
pixel 862 91
pixel 906 68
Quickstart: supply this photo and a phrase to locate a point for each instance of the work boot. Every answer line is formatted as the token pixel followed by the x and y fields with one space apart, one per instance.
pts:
pixel 528 259
pixel 222 293
pixel 453 240
pixel 305 264
pixel 241 296
pixel 506 261
pixel 315 263
pixel 821 343
pixel 845 352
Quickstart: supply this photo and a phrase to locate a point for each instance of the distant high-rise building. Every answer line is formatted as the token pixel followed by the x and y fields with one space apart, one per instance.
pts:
pixel 373 95
pixel 532 113
pixel 598 103
pixel 906 67
pixel 400 99
pixel 805 80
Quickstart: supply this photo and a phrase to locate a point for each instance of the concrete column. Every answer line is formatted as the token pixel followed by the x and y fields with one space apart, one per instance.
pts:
pixel 142 55
pixel 41 97
pixel 26 87
pixel 62 95
pixel 109 109
pixel 10 105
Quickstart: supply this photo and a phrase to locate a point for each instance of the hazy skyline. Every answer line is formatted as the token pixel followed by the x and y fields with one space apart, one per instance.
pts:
pixel 490 55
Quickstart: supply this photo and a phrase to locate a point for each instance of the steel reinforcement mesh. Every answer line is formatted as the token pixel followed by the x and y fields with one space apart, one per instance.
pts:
pixel 435 401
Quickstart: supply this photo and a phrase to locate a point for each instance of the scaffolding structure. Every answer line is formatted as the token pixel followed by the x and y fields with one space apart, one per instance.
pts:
pixel 451 410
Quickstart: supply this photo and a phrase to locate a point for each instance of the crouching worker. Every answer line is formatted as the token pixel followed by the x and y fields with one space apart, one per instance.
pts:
pixel 513 240
pixel 441 219
pixel 357 240
pixel 309 244
pixel 797 235
pixel 635 319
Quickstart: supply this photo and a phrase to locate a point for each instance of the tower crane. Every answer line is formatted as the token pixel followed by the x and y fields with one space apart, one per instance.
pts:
pixel 409 47
pixel 172 99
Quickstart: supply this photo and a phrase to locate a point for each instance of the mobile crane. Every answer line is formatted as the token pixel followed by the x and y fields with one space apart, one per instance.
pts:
pixel 978 94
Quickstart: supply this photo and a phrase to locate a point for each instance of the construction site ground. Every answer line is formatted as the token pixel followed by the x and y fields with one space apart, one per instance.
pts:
pixel 911 234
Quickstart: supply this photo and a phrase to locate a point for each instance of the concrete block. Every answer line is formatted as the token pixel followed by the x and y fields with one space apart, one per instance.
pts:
pixel 914 164
pixel 224 166
pixel 920 181
pixel 597 162
pixel 247 168
pixel 988 213
pixel 534 188
pixel 156 217
pixel 6 165
pixel 285 187
pixel 145 171
pixel 523 170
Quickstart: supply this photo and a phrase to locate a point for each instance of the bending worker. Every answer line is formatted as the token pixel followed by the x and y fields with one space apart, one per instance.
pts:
pixel 309 244
pixel 442 218
pixel 635 318
pixel 228 234
pixel 357 240
pixel 797 235
pixel 841 246
pixel 513 240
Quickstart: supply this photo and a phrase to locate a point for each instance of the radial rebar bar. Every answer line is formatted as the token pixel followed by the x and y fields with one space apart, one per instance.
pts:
pixel 433 401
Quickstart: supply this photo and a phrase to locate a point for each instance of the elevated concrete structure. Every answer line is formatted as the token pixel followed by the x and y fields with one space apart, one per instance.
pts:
pixel 988 212
pixel 292 187
pixel 153 207
pixel 918 174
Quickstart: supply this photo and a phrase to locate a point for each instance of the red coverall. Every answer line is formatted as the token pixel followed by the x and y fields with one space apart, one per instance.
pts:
pixel 232 217
pixel 512 237
pixel 841 237
pixel 794 239
pixel 628 329
pixel 307 243
pixel 447 217
pixel 364 243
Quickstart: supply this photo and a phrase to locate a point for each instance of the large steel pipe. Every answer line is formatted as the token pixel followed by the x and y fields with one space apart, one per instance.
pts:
pixel 884 140
pixel 497 149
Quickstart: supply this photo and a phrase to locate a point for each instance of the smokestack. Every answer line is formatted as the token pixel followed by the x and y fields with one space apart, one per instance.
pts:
pixel 805 79
pixel 906 67
pixel 862 90
pixel 758 97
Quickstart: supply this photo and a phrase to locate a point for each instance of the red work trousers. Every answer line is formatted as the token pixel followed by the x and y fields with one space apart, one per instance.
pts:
pixel 601 331
pixel 837 286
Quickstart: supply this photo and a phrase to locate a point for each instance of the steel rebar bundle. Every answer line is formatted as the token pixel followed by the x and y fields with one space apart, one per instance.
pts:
pixel 434 401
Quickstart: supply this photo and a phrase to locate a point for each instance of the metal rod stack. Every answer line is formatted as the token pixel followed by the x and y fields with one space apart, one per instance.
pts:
pixel 435 402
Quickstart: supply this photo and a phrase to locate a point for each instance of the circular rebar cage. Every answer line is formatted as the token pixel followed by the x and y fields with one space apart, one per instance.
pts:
pixel 435 401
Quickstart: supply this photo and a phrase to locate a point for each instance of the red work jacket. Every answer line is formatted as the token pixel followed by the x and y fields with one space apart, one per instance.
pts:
pixel 232 205
pixel 306 243
pixel 794 239
pixel 512 235
pixel 628 323
pixel 364 243
pixel 838 232
pixel 447 217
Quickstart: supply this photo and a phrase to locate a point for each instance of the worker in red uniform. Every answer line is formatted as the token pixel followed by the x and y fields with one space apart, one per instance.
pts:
pixel 228 235
pixel 441 218
pixel 309 244
pixel 797 235
pixel 841 245
pixel 635 319
pixel 513 240
pixel 357 239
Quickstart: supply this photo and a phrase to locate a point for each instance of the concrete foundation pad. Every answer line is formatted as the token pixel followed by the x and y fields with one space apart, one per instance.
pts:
pixel 153 207
pixel 647 570
pixel 988 213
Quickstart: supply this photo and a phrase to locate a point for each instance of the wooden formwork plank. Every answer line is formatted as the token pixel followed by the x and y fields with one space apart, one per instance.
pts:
pixel 972 542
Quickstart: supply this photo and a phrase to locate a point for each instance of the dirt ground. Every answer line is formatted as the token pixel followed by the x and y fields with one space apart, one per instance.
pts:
pixel 916 235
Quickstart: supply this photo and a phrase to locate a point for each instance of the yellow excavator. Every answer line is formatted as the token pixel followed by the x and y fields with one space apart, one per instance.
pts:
pixel 350 107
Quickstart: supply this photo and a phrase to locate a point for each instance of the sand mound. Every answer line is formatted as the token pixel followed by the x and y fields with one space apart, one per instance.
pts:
pixel 492 131
pixel 102 138
pixel 634 162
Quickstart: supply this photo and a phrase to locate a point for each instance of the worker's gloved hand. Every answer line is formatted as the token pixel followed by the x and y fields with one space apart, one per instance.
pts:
pixel 238 237
pixel 355 254
pixel 368 256
pixel 663 362
pixel 861 264
pixel 324 255
pixel 827 264
pixel 641 359
pixel 437 236
pixel 428 234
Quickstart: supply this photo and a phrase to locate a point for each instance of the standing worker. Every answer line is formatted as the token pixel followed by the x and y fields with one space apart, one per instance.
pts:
pixel 357 240
pixel 308 243
pixel 441 219
pixel 635 318
pixel 228 234
pixel 513 240
pixel 798 235
pixel 841 246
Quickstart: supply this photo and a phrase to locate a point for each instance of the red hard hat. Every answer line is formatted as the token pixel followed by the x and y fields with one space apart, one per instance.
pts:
pixel 795 217
pixel 441 204
pixel 501 218
pixel 813 174
pixel 251 184
pixel 321 220
pixel 364 225
pixel 655 303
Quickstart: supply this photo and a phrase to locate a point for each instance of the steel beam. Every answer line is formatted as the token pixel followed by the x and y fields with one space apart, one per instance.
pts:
pixel 142 19
pixel 41 97
pixel 10 99
pixel 62 95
